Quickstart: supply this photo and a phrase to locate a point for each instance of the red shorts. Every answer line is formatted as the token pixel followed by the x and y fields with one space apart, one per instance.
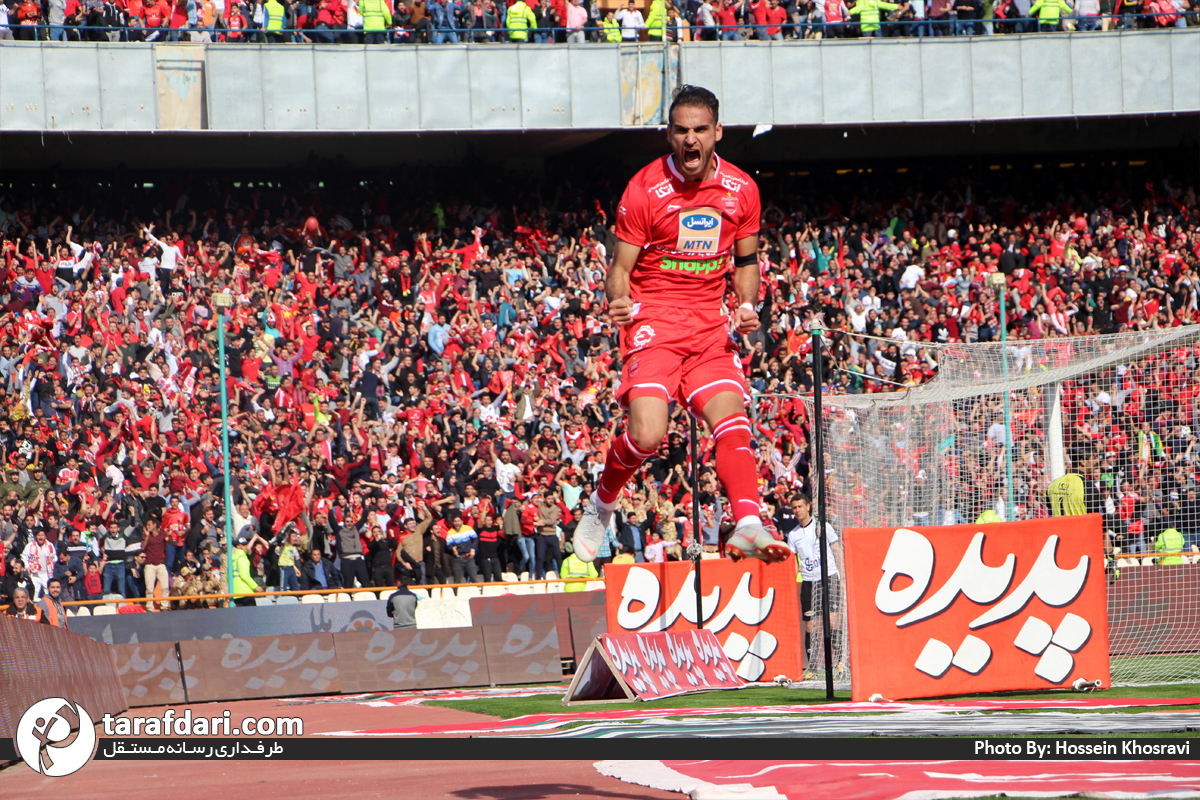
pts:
pixel 679 354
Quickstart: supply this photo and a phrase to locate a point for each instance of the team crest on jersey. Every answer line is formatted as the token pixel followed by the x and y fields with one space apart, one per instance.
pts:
pixel 730 202
pixel 699 231
pixel 633 367
pixel 642 337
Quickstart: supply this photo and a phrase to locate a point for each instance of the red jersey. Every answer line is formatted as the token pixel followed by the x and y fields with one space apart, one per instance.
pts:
pixel 686 231
pixel 175 524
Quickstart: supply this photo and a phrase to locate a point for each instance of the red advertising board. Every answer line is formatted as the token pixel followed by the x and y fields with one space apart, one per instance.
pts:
pixel 966 609
pixel 651 666
pixel 750 606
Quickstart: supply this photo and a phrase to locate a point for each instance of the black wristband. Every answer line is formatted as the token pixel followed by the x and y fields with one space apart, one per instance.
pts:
pixel 745 261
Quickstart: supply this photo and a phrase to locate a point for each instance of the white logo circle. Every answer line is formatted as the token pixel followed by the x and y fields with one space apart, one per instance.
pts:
pixel 643 336
pixel 48 722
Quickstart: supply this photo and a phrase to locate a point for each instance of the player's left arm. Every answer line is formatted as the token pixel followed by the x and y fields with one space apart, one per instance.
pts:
pixel 746 280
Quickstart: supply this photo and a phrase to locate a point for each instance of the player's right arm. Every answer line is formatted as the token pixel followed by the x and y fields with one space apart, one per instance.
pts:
pixel 616 285
pixel 633 231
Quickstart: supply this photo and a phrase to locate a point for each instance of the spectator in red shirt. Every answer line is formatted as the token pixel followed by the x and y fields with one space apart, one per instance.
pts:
pixel 158 15
pixel 73 18
pixel 727 23
pixel 178 19
pixel 27 14
pixel 175 524
pixel 769 18
pixel 236 24
pixel 331 16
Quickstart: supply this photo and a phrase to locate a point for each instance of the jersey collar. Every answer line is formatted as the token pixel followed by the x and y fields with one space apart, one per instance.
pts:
pixel 679 176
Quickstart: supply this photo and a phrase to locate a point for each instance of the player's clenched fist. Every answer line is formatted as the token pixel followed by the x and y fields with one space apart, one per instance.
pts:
pixel 621 311
pixel 745 321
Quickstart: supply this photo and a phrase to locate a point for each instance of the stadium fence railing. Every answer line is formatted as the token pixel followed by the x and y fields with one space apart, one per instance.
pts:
pixel 811 32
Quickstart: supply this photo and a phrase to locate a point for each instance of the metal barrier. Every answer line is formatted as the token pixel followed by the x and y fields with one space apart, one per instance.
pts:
pixel 950 79
pixel 129 87
pixel 42 661
pixel 346 662
pixel 318 88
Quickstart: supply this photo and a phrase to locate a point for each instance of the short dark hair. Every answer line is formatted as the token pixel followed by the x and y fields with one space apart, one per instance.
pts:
pixel 688 95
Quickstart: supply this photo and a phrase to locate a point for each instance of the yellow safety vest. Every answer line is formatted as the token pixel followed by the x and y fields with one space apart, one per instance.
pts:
pixel 242 582
pixel 654 19
pixel 1049 10
pixel 1169 541
pixel 520 18
pixel 575 567
pixel 868 13
pixel 276 14
pixel 376 18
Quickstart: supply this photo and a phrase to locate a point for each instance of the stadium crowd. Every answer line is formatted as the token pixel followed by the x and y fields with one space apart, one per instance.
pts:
pixel 420 379
pixel 574 21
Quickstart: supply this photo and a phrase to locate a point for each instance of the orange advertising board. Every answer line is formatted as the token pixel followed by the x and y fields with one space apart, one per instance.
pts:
pixel 752 607
pixel 966 609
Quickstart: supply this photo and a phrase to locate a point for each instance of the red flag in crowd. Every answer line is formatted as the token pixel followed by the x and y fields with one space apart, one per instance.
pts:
pixel 291 503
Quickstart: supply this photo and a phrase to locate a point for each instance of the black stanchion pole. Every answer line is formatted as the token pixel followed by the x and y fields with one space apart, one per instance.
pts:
pixel 818 483
pixel 697 547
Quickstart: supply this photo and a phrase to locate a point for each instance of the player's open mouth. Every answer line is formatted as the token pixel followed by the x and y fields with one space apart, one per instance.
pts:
pixel 691 158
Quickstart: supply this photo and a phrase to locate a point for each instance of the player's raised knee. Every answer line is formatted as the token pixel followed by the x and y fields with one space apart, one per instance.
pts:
pixel 647 435
pixel 646 431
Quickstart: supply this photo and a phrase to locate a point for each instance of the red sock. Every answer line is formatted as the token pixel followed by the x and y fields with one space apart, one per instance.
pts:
pixel 624 459
pixel 736 466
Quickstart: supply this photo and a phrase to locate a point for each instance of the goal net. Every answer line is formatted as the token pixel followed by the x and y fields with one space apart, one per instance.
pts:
pixel 1119 410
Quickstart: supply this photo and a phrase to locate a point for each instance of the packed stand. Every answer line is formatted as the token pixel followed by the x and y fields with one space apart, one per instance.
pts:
pixel 421 385
pixel 571 21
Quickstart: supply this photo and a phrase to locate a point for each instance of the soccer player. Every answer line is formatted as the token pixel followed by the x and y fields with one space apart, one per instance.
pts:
pixel 804 540
pixel 679 220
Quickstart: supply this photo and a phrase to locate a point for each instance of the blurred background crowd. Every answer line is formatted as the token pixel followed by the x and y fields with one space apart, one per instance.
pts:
pixel 421 374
